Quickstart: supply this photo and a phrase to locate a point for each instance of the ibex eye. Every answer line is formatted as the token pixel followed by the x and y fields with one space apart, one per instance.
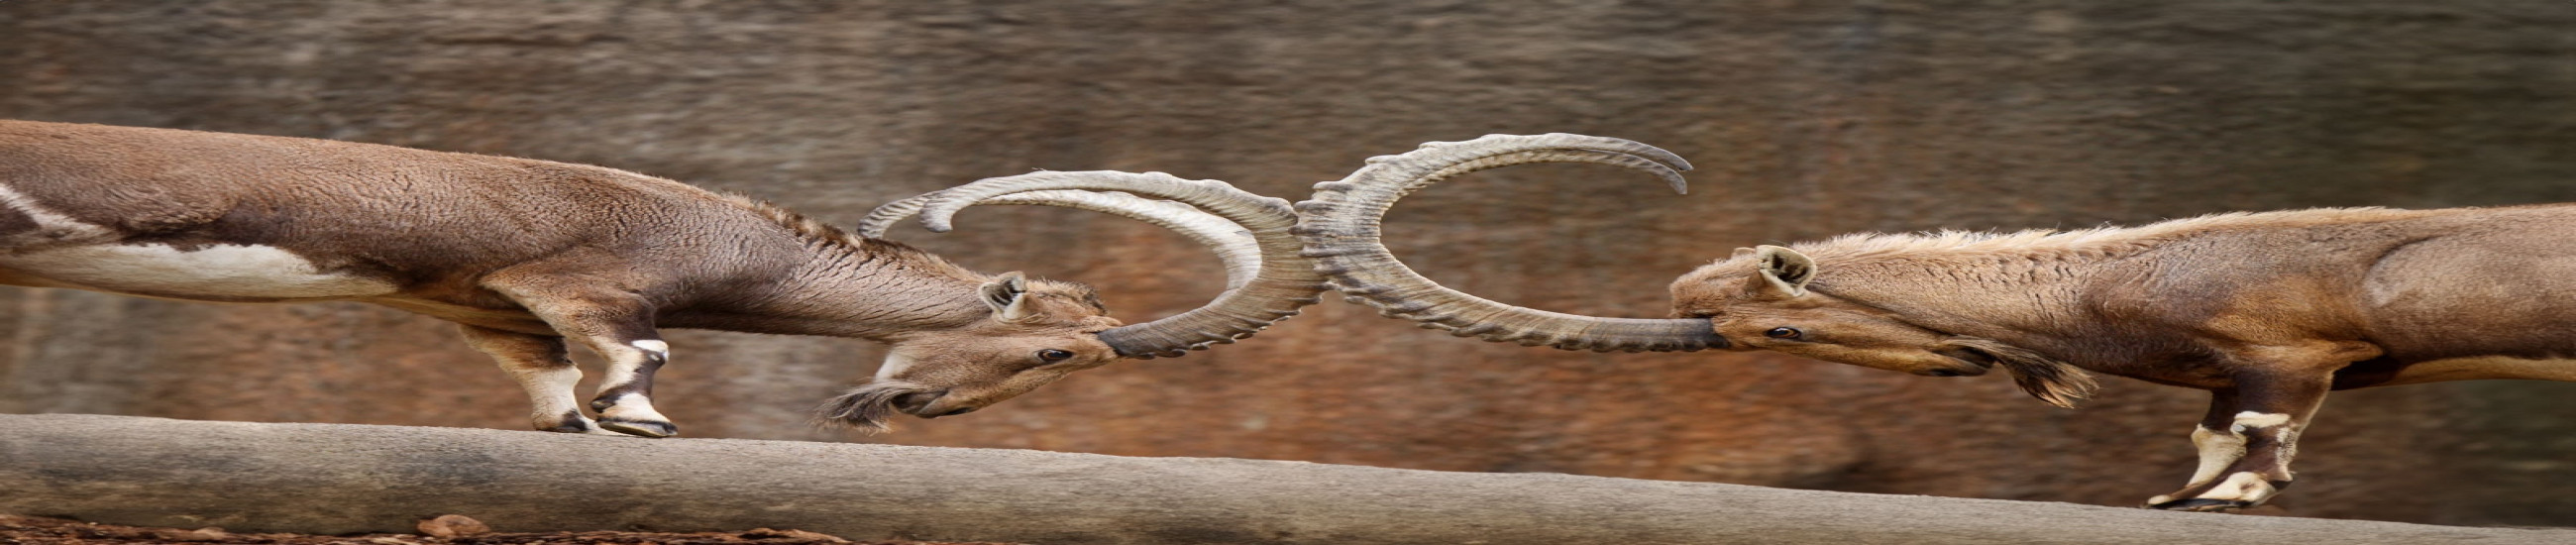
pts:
pixel 1054 354
pixel 1783 333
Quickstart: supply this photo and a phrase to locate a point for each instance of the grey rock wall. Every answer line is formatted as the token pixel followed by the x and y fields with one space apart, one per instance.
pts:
pixel 1808 119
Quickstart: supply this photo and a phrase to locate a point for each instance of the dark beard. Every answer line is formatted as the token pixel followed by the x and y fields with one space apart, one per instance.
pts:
pixel 2056 382
pixel 866 407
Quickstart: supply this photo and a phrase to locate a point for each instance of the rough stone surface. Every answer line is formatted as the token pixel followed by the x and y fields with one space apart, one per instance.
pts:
pixel 337 478
pixel 27 530
pixel 445 526
pixel 1808 119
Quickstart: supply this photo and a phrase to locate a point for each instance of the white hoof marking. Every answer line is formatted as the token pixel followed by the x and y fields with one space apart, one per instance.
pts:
pixel 2244 486
pixel 2249 420
pixel 2218 449
pixel 633 407
pixel 658 348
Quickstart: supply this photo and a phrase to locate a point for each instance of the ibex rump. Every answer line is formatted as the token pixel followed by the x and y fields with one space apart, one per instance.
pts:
pixel 524 254
pixel 2267 311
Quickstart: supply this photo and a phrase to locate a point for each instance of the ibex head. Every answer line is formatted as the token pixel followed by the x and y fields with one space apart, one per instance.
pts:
pixel 1038 331
pixel 1768 298
pixel 1759 299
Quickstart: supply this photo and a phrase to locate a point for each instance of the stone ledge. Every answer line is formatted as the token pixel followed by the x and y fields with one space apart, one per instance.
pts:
pixel 340 478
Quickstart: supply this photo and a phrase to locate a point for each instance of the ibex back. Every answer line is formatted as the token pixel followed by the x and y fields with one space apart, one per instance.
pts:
pixel 2267 311
pixel 524 254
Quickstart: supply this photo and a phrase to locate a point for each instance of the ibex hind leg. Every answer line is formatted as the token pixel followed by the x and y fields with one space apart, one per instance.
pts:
pixel 616 324
pixel 541 366
pixel 2271 409
pixel 14 223
pixel 625 399
pixel 2219 446
pixel 26 225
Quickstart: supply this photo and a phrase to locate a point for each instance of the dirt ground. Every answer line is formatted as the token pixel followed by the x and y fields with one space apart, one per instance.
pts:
pixel 21 530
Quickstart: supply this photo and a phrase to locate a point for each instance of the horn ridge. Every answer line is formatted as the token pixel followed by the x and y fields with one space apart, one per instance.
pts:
pixel 1268 280
pixel 1340 229
pixel 884 216
pixel 1233 245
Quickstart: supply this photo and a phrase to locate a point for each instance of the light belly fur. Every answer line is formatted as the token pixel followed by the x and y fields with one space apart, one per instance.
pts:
pixel 2485 367
pixel 66 253
pixel 221 272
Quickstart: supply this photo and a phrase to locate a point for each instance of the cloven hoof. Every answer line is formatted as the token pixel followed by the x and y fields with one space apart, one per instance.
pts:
pixel 2204 505
pixel 640 427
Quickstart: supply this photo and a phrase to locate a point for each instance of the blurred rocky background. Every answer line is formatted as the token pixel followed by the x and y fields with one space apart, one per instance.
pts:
pixel 1807 119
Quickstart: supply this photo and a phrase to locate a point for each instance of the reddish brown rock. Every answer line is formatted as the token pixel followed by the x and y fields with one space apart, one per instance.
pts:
pixel 452 526
pixel 197 535
pixel 792 536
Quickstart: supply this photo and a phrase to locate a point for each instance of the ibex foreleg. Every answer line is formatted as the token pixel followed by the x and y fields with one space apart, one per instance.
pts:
pixel 2216 439
pixel 625 398
pixel 541 366
pixel 618 325
pixel 2248 439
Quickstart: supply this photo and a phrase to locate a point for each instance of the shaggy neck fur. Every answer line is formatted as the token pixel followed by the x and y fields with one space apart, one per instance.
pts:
pixel 2036 245
pixel 2019 281
pixel 853 286
pixel 817 232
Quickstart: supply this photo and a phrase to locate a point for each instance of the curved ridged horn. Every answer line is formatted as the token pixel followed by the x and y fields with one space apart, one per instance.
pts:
pixel 882 218
pixel 1341 231
pixel 1233 245
pixel 1279 282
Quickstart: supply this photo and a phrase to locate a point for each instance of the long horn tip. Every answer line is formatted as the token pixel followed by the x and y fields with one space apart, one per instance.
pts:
pixel 1670 159
pixel 938 221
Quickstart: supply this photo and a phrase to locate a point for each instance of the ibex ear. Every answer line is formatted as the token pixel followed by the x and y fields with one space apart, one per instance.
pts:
pixel 1004 294
pixel 1783 271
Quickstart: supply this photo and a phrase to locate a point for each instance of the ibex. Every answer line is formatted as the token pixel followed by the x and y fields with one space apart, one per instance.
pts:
pixel 524 254
pixel 2267 311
